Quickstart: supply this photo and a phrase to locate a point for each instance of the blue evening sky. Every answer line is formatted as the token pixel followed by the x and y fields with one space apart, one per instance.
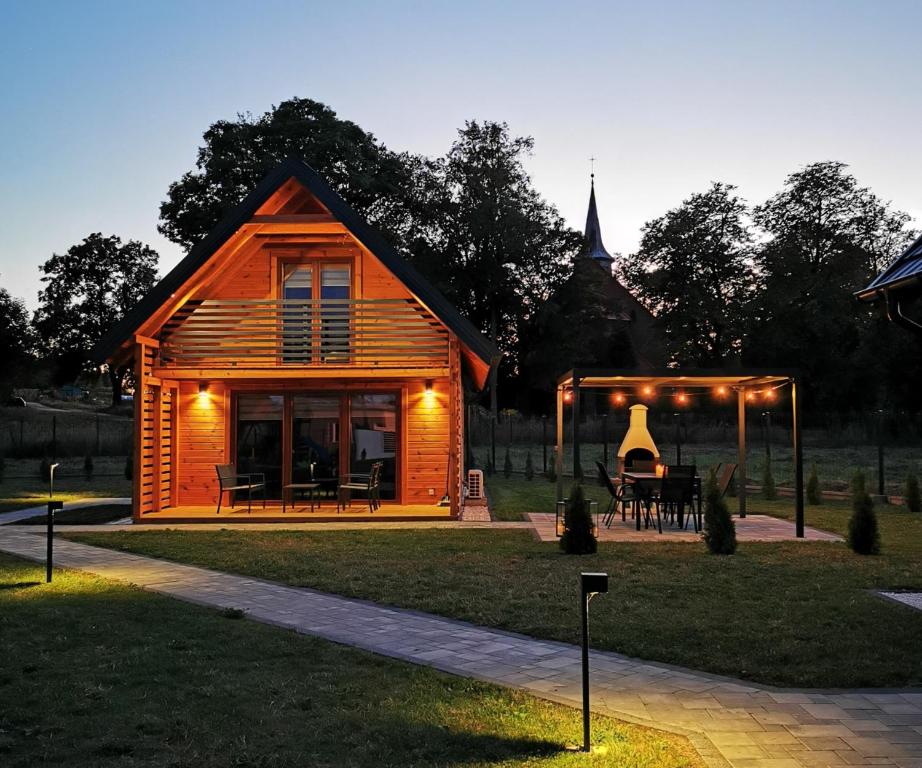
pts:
pixel 104 103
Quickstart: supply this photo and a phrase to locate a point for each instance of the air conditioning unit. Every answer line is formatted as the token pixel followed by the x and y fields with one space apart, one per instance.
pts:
pixel 474 484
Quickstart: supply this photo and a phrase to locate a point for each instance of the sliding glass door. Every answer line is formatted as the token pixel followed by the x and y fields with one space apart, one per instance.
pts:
pixel 301 437
pixel 259 438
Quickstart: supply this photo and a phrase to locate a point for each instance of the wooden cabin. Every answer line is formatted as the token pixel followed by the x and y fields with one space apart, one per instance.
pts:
pixel 295 342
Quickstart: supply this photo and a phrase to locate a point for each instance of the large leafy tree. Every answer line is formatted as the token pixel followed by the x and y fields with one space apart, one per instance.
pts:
pixel 694 271
pixel 16 342
pixel 237 153
pixel 87 290
pixel 826 236
pixel 504 249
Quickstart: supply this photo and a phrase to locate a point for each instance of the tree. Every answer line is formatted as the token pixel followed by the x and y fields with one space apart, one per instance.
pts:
pixel 505 248
pixel 825 237
pixel 814 494
pixel 87 290
pixel 694 271
pixel 237 154
pixel 863 536
pixel 17 342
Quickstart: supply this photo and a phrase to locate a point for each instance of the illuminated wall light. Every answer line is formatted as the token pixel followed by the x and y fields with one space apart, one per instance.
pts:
pixel 203 392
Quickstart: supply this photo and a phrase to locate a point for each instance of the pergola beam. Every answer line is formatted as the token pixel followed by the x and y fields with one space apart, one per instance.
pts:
pixel 741 449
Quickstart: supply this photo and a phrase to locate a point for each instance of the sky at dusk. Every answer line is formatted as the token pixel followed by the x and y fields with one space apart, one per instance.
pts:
pixel 104 103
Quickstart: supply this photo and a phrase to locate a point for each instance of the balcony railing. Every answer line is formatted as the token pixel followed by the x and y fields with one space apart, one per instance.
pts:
pixel 396 333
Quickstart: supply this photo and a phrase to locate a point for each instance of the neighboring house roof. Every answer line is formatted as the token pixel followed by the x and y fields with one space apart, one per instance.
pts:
pixel 295 168
pixel 904 272
pixel 594 231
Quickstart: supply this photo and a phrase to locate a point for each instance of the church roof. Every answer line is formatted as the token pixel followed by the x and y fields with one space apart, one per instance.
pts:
pixel 594 231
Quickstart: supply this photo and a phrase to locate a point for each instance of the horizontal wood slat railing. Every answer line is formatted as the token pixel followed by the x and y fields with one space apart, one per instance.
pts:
pixel 303 332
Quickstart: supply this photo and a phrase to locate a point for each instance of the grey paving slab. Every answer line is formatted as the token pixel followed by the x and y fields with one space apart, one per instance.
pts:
pixel 730 722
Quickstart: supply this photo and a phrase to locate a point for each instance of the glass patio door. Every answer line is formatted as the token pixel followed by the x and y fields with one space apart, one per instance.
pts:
pixel 315 440
pixel 373 429
pixel 259 438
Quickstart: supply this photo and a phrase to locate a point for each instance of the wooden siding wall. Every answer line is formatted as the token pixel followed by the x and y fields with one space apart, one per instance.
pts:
pixel 202 441
pixel 427 441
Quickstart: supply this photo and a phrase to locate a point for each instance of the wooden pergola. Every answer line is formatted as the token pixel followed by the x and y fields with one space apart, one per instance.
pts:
pixel 744 383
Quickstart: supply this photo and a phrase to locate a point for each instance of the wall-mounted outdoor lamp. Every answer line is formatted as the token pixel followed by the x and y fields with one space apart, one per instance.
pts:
pixel 591 584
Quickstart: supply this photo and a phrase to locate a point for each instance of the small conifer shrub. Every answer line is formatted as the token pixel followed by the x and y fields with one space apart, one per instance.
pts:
pixel 863 536
pixel 719 528
pixel 578 538
pixel 911 495
pixel 814 494
pixel 529 467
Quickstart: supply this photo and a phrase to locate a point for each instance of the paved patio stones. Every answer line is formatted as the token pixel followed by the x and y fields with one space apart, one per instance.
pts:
pixel 749 528
pixel 729 721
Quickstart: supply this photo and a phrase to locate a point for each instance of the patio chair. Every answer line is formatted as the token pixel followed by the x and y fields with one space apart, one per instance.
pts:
pixel 369 484
pixel 621 493
pixel 725 477
pixel 674 495
pixel 645 496
pixel 231 481
pixel 681 470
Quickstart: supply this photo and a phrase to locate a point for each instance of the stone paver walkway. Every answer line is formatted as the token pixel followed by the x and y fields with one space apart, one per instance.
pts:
pixel 749 528
pixel 912 599
pixel 729 722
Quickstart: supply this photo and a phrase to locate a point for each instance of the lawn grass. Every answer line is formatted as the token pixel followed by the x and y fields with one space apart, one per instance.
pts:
pixel 514 497
pixel 98 673
pixel 791 613
pixel 103 513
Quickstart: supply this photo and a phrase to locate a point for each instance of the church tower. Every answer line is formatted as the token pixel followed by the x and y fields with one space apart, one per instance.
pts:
pixel 593 232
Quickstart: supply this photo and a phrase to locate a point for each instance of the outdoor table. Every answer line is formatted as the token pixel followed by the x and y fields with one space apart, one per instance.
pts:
pixel 652 481
pixel 309 487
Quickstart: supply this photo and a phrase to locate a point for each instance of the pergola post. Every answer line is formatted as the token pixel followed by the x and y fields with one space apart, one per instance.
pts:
pixel 577 468
pixel 558 454
pixel 798 462
pixel 741 441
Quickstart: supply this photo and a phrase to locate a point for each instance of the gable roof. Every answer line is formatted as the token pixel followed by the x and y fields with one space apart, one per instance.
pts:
pixel 297 169
pixel 906 270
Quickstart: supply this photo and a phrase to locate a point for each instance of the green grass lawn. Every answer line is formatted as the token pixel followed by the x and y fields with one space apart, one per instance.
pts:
pixel 794 613
pixel 98 673
pixel 21 485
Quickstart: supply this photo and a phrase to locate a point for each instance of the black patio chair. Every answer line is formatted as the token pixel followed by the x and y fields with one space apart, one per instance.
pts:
pixel 230 480
pixel 621 494
pixel 725 477
pixel 674 495
pixel 645 501
pixel 369 484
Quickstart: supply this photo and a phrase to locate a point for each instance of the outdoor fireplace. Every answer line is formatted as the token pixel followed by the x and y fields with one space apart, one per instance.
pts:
pixel 638 444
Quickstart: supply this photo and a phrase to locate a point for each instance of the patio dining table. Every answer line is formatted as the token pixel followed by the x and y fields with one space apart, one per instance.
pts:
pixel 651 482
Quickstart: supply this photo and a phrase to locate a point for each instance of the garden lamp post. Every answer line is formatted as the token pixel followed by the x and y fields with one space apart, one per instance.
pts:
pixel 51 480
pixel 591 584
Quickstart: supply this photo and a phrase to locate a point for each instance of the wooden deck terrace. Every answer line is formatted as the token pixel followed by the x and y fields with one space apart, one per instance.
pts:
pixel 300 512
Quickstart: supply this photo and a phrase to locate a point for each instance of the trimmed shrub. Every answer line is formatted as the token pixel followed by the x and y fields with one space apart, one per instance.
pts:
pixel 814 495
pixel 129 467
pixel 911 495
pixel 768 482
pixel 529 467
pixel 859 483
pixel 507 465
pixel 578 539
pixel 863 536
pixel 44 470
pixel 88 467
pixel 719 528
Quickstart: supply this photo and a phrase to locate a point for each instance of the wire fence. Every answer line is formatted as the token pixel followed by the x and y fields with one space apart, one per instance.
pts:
pixel 30 433
pixel 887 448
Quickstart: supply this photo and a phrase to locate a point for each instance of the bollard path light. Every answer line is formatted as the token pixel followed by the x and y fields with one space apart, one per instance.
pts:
pixel 591 584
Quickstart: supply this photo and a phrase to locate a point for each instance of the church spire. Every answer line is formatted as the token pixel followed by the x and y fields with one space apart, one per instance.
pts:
pixel 594 231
